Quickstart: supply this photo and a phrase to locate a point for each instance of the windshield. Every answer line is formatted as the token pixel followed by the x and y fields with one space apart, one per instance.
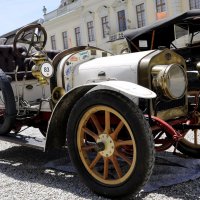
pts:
pixel 181 36
pixel 195 38
pixel 185 37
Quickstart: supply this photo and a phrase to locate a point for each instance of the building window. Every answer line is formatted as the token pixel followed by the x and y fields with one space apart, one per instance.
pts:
pixel 105 26
pixel 53 42
pixel 78 36
pixel 161 9
pixel 194 4
pixel 140 15
pixel 160 6
pixel 90 28
pixel 122 20
pixel 65 40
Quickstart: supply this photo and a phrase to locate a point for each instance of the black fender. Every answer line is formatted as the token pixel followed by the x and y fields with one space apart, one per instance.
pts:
pixel 56 131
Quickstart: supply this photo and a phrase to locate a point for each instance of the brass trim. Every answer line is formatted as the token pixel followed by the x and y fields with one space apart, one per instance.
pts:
pixel 172 113
pixel 158 57
pixel 57 93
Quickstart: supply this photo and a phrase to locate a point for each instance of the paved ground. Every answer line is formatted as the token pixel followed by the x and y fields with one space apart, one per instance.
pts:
pixel 23 176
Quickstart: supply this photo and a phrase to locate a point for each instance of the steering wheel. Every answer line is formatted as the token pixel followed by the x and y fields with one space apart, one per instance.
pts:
pixel 32 37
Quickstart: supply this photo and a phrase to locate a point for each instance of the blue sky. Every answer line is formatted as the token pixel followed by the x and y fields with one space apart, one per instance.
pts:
pixel 17 13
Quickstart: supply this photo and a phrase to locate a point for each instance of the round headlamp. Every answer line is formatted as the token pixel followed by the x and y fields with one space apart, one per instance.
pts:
pixel 170 80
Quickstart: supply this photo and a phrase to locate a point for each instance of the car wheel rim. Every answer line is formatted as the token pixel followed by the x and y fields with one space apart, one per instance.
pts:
pixel 106 145
pixel 192 139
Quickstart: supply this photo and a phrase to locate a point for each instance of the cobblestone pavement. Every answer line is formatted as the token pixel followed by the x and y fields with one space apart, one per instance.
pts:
pixel 23 176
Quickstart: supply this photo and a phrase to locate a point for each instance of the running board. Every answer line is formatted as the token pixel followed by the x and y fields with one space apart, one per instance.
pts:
pixel 33 142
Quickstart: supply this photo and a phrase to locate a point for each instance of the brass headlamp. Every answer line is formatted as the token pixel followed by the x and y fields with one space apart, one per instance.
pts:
pixel 170 80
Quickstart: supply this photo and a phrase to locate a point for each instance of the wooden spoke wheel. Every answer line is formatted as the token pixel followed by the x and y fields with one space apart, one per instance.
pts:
pixel 110 143
pixel 190 144
pixel 109 153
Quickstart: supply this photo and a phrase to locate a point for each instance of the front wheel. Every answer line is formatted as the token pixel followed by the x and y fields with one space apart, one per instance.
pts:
pixel 110 143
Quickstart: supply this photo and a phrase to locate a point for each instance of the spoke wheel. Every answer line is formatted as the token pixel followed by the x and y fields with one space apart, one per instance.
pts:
pixel 110 143
pixel 106 145
pixel 190 144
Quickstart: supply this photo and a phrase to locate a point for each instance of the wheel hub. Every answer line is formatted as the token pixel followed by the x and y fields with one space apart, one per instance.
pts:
pixel 109 146
pixel 100 146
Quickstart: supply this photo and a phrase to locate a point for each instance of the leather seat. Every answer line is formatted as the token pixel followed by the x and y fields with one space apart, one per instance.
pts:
pixel 9 61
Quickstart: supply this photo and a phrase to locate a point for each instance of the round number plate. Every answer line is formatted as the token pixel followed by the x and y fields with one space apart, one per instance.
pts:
pixel 47 70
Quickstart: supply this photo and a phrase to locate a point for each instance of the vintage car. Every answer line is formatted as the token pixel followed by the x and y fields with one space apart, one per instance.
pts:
pixel 180 33
pixel 110 112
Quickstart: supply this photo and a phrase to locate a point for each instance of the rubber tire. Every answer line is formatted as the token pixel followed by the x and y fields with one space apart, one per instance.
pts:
pixel 188 150
pixel 10 106
pixel 43 130
pixel 142 134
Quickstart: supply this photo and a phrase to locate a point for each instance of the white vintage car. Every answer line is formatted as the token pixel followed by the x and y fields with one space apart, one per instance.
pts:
pixel 112 112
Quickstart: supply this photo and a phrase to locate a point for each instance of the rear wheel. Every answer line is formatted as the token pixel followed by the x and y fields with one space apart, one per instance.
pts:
pixel 7 105
pixel 110 143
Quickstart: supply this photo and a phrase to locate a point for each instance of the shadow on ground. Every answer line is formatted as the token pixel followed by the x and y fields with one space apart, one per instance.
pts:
pixel 26 164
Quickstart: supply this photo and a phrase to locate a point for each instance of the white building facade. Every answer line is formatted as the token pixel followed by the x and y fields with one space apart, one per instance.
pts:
pixel 103 23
